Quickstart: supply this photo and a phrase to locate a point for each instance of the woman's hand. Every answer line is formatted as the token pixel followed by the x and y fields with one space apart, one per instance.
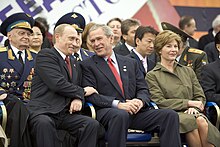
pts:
pixel 90 90
pixel 197 104
pixel 192 111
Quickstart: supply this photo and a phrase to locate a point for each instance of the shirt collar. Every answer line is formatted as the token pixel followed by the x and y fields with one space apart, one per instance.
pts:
pixel 140 56
pixel 15 50
pixel 130 48
pixel 113 57
pixel 62 54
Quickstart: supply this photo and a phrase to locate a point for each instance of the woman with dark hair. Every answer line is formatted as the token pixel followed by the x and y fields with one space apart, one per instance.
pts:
pixel 174 86
pixel 36 38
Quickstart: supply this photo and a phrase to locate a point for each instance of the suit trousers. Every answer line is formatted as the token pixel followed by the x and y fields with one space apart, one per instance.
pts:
pixel 117 122
pixel 44 129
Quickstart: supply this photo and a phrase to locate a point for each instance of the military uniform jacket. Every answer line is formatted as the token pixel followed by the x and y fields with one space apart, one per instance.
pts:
pixel 174 90
pixel 14 78
pixel 195 59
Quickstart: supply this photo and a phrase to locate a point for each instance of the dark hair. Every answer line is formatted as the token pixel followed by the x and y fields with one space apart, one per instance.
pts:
pixel 185 20
pixel 126 24
pixel 41 27
pixel 114 19
pixel 141 30
pixel 43 22
pixel 217 38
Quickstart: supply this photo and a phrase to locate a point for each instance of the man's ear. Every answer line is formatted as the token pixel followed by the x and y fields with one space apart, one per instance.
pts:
pixel 125 37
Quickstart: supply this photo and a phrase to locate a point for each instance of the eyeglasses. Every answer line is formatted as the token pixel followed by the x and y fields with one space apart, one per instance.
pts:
pixel 23 33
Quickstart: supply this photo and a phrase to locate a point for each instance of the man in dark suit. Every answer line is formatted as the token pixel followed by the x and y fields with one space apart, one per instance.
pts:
pixel 212 52
pixel 128 29
pixel 16 70
pixel 123 98
pixel 188 25
pixel 78 22
pixel 144 51
pixel 211 77
pixel 56 98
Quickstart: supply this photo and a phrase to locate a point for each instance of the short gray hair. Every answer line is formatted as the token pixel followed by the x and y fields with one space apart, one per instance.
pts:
pixel 216 21
pixel 107 30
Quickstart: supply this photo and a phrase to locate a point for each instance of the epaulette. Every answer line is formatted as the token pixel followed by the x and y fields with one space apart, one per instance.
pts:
pixel 85 52
pixel 3 49
pixel 194 50
pixel 33 51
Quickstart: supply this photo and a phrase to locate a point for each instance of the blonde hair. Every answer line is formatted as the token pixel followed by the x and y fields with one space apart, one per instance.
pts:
pixel 164 38
pixel 59 30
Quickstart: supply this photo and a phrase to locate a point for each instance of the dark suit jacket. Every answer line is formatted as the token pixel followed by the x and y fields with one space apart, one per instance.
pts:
pixel 121 50
pixel 52 89
pixel 206 39
pixel 151 62
pixel 96 73
pixel 211 81
pixel 212 52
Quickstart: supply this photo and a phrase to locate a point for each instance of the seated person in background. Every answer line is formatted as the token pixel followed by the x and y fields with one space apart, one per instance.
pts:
pixel 78 22
pixel 144 51
pixel 123 98
pixel 86 44
pixel 36 38
pixel 56 99
pixel 48 37
pixel 115 25
pixel 211 76
pixel 128 29
pixel 188 25
pixel 16 70
pixel 174 86
pixel 212 51
pixel 206 39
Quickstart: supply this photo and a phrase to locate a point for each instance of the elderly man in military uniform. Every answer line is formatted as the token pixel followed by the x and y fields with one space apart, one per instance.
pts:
pixel 78 22
pixel 16 71
pixel 188 56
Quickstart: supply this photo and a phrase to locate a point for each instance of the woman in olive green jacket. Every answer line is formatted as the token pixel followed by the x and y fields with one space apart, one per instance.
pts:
pixel 173 86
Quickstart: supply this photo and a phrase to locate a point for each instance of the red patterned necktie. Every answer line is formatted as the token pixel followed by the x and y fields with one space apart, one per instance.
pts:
pixel 116 74
pixel 67 59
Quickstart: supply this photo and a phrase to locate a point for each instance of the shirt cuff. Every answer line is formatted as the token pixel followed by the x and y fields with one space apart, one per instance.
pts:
pixel 115 103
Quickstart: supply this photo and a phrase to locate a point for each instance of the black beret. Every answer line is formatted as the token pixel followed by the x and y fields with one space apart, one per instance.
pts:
pixel 182 34
pixel 17 20
pixel 74 19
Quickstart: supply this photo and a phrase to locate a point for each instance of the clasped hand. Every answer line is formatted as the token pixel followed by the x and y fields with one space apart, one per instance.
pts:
pixel 131 106
pixel 197 104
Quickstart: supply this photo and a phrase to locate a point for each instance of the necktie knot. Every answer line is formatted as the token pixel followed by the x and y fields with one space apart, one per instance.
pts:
pixel 20 57
pixel 76 55
pixel 67 59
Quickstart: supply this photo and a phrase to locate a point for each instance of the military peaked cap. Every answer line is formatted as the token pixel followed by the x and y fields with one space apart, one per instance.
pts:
pixel 74 19
pixel 17 20
pixel 182 34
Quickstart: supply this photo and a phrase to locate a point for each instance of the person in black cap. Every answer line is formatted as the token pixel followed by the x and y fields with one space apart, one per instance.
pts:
pixel 78 22
pixel 16 70
pixel 190 57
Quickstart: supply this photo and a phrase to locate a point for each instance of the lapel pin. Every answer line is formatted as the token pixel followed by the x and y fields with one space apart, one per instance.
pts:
pixel 124 68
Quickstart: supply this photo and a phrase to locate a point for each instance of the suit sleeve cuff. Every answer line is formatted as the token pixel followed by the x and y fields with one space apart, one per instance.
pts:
pixel 115 103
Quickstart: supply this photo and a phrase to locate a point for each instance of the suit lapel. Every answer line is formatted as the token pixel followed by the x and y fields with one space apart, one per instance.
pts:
pixel 102 65
pixel 140 64
pixel 123 73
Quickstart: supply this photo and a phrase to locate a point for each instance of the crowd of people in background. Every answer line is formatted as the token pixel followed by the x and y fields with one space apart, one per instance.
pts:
pixel 119 67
